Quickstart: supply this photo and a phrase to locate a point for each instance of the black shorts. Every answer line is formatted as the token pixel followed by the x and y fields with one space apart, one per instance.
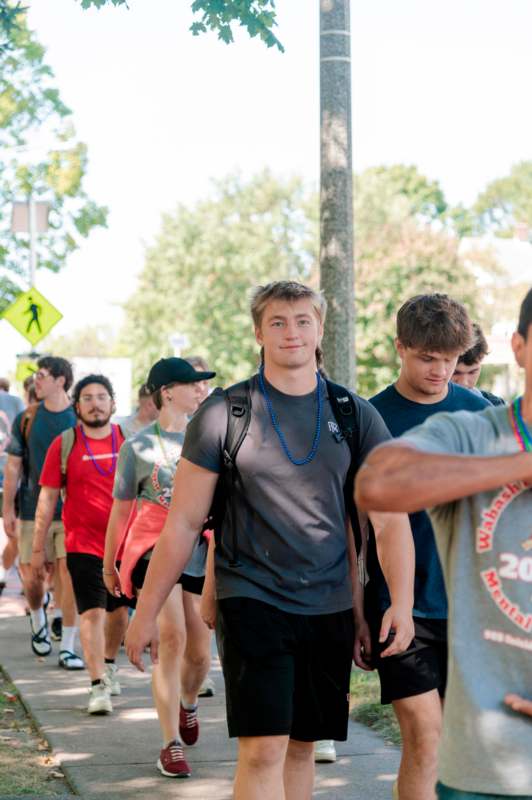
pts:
pixel 189 582
pixel 89 588
pixel 285 674
pixel 419 669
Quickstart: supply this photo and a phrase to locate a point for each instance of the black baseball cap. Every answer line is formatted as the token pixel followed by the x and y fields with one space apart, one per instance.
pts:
pixel 174 370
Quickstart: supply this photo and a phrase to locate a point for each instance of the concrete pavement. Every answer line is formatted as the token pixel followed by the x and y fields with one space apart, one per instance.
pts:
pixel 114 757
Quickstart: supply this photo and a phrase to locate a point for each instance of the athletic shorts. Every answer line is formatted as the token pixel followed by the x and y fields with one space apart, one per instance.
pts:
pixel 190 583
pixel 54 544
pixel 89 588
pixel 421 668
pixel 285 674
pixel 446 793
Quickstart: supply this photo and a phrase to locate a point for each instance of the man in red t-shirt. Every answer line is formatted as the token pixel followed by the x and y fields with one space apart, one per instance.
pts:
pixel 88 485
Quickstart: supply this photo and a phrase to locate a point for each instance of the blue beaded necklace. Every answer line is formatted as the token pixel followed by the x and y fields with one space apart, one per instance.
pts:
pixel 298 462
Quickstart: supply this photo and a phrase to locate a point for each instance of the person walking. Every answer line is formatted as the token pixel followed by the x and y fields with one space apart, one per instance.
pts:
pixel 432 331
pixel 10 407
pixel 145 413
pixel 469 364
pixel 474 472
pixel 32 433
pixel 285 619
pixel 81 462
pixel 145 472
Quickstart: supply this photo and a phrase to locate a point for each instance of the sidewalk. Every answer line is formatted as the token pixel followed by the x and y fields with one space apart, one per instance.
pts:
pixel 114 757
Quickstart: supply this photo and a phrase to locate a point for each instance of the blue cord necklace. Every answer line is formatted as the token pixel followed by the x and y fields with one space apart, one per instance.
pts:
pixel 298 462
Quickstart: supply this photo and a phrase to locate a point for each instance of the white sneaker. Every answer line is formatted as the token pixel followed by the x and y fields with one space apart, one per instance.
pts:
pixel 324 751
pixel 99 700
pixel 111 680
pixel 207 688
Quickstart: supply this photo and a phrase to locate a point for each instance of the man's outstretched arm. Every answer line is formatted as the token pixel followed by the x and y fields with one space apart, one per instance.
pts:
pixel 397 476
pixel 191 500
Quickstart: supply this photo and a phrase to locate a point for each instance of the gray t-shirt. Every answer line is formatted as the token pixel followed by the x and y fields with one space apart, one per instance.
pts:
pixel 10 407
pixel 290 520
pixel 485 547
pixel 145 470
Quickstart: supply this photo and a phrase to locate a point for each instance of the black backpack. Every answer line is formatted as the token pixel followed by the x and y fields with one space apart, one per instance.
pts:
pixel 238 398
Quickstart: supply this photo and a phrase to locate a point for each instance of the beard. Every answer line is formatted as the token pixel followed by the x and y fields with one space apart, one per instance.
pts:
pixel 95 422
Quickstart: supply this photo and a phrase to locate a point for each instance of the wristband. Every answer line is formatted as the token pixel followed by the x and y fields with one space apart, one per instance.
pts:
pixel 39 550
pixel 107 573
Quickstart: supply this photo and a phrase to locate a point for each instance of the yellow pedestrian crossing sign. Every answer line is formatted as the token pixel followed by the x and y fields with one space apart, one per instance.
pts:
pixel 25 368
pixel 32 315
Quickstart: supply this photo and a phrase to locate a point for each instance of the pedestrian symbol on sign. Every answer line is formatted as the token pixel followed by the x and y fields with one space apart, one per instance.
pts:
pixel 35 310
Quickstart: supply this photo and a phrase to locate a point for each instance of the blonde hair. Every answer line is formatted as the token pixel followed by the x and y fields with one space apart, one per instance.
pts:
pixel 285 290
pixel 289 291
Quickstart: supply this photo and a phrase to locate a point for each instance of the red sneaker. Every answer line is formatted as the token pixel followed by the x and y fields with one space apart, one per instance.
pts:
pixel 172 761
pixel 188 725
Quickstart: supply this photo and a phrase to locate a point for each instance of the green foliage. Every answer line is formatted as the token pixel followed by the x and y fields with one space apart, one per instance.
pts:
pixel 198 275
pixel 258 17
pixel 9 13
pixel 365 706
pixel 507 202
pixel 393 264
pixel 400 186
pixel 406 243
pixel 31 110
pixel 92 341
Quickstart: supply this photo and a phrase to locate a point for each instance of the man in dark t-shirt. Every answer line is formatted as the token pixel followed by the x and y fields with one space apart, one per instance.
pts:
pixel 33 432
pixel 286 611
pixel 432 331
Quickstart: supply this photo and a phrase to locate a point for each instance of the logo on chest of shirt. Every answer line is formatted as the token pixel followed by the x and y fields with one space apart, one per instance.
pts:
pixel 511 568
pixel 333 427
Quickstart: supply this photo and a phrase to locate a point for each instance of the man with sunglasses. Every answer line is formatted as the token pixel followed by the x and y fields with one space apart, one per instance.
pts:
pixel 32 433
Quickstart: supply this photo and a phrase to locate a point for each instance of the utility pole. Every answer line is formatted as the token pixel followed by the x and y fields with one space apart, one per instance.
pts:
pixel 32 230
pixel 336 191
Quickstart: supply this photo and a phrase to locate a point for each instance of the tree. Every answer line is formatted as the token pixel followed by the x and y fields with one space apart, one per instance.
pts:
pixel 31 109
pixel 92 341
pixel 256 16
pixel 198 275
pixel 506 203
pixel 405 245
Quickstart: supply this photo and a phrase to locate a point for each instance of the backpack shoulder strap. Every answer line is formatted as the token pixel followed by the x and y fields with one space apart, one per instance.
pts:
pixel 68 438
pixel 346 412
pixel 238 399
pixel 344 409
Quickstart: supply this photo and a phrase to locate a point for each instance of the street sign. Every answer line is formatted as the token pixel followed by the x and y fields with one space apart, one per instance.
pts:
pixel 32 315
pixel 25 368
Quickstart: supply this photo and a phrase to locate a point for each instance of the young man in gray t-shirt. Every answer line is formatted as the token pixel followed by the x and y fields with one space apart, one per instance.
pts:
pixel 474 470
pixel 285 610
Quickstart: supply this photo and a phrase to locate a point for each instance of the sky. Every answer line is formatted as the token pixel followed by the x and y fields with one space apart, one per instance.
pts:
pixel 440 85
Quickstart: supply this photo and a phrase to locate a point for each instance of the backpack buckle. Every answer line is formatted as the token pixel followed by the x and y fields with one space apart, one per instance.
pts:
pixel 237 410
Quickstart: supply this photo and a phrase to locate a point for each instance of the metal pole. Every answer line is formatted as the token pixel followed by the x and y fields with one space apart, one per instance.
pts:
pixel 32 228
pixel 336 190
